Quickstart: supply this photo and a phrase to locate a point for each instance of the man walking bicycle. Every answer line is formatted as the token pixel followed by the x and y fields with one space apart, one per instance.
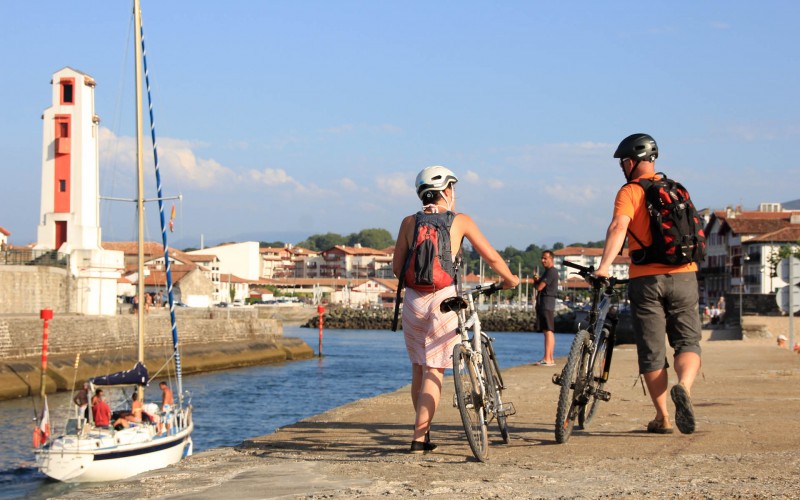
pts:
pixel 664 297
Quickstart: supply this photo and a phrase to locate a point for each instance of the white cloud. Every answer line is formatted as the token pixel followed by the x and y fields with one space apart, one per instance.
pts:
pixel 471 177
pixel 273 177
pixel 347 184
pixel 581 195
pixel 395 184
pixel 720 25
pixel 176 156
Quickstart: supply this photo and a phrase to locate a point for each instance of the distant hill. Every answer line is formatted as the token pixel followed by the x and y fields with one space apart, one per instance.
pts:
pixel 791 205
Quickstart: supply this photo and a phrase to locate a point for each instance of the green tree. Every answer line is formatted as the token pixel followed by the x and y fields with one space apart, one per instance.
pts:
pixel 320 242
pixel 271 244
pixel 373 238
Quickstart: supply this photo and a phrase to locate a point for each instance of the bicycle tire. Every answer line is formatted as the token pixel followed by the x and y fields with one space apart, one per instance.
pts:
pixel 470 402
pixel 573 378
pixel 596 380
pixel 495 389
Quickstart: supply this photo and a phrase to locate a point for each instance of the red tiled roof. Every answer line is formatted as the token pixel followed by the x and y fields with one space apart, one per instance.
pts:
pixel 567 251
pixel 4 231
pixel 756 226
pixel 355 250
pixel 788 234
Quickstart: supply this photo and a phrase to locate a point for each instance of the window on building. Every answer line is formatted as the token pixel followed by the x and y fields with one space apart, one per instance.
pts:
pixel 63 130
pixel 67 96
pixel 62 185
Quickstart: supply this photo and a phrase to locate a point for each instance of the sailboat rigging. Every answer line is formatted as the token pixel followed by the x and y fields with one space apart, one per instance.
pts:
pixel 87 451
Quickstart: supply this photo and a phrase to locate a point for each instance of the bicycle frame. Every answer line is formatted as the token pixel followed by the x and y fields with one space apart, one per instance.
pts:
pixel 583 379
pixel 476 374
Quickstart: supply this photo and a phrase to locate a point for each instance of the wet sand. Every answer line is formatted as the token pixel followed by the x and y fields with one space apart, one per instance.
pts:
pixel 747 444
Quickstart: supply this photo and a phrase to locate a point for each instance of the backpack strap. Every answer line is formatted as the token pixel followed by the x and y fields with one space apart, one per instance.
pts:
pixel 645 185
pixel 401 279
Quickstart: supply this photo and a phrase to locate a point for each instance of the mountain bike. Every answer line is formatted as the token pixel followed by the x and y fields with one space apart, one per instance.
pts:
pixel 586 372
pixel 478 383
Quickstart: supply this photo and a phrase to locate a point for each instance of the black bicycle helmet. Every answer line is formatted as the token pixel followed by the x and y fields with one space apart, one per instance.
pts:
pixel 637 147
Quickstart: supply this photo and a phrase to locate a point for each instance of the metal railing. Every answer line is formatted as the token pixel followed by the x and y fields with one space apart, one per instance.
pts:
pixel 31 257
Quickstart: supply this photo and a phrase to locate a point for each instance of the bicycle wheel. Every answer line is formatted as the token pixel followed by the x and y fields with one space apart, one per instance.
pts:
pixel 495 394
pixel 470 402
pixel 596 380
pixel 573 381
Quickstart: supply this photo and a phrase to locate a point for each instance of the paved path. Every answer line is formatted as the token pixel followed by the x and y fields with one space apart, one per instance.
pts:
pixel 747 444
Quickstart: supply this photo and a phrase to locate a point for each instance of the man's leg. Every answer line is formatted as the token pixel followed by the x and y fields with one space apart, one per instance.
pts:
pixel 549 346
pixel 687 366
pixel 657 382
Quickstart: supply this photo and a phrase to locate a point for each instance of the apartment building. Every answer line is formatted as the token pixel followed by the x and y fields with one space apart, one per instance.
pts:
pixel 742 249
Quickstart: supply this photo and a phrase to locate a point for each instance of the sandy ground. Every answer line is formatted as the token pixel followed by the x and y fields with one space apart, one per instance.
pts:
pixel 747 444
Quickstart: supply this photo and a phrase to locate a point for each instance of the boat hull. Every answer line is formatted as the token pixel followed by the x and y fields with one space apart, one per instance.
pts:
pixel 105 456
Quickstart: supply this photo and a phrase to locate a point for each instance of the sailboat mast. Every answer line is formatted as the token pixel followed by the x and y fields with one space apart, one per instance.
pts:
pixel 140 179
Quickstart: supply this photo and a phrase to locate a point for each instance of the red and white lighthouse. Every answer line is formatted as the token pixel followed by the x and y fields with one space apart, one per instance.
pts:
pixel 70 216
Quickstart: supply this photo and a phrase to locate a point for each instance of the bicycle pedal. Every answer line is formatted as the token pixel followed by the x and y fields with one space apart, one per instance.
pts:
pixel 506 410
pixel 601 394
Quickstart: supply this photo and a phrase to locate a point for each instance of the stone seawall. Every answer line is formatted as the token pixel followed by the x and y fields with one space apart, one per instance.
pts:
pixel 498 320
pixel 210 339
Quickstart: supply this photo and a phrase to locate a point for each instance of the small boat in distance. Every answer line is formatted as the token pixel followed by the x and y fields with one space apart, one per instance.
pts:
pixel 86 451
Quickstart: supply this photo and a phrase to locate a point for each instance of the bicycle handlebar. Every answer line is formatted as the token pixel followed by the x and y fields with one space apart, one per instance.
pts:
pixel 587 273
pixel 485 289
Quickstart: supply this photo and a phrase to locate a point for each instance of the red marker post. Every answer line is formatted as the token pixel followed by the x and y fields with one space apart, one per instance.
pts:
pixel 46 315
pixel 321 312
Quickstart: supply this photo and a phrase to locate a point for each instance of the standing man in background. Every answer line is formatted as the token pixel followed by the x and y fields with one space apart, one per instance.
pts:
pixel 547 287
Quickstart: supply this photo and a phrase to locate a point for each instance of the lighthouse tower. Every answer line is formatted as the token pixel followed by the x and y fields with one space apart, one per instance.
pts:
pixel 70 217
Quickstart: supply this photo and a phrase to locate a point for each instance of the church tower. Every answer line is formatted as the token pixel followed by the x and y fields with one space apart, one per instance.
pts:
pixel 70 216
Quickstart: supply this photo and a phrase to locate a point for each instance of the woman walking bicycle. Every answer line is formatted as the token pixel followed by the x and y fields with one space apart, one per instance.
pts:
pixel 425 255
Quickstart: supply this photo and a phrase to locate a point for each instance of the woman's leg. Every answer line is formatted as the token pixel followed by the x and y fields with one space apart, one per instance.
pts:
pixel 427 400
pixel 416 383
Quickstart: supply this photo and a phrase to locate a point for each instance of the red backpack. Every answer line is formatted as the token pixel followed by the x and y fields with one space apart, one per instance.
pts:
pixel 429 264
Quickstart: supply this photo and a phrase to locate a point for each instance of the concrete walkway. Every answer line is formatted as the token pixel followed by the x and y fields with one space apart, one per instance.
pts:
pixel 747 444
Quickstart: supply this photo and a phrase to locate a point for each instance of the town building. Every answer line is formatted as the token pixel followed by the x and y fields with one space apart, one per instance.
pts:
pixel 742 248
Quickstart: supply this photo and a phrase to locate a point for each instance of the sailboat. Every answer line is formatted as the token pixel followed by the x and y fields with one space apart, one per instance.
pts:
pixel 86 451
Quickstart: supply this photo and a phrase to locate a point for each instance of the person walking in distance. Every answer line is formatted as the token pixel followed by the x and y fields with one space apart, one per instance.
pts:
pixel 664 298
pixel 432 240
pixel 546 287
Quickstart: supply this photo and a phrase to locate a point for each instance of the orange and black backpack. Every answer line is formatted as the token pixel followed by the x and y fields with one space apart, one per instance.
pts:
pixel 675 226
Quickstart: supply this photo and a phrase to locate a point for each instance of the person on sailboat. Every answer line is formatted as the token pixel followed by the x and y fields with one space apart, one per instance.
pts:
pixel 134 416
pixel 101 412
pixel 81 399
pixel 166 397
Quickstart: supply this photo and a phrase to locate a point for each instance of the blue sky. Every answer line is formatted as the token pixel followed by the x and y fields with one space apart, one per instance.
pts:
pixel 277 120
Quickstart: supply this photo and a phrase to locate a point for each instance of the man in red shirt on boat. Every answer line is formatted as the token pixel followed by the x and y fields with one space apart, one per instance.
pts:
pixel 101 412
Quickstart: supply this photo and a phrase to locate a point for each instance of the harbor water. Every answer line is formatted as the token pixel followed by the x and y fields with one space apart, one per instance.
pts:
pixel 234 405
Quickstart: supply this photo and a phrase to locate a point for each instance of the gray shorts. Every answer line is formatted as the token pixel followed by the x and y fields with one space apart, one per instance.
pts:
pixel 664 303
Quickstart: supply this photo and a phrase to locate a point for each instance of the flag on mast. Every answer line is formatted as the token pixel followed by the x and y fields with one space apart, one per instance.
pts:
pixel 172 220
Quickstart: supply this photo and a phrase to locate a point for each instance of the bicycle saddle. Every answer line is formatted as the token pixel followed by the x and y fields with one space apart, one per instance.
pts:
pixel 453 304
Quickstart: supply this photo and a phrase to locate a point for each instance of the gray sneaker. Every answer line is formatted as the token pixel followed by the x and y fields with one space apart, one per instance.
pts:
pixel 684 412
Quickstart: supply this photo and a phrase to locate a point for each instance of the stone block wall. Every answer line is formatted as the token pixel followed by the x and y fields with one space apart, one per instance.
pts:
pixel 28 289
pixel 21 335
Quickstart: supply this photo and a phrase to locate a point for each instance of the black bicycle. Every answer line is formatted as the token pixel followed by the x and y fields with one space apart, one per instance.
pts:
pixel 584 376
pixel 476 374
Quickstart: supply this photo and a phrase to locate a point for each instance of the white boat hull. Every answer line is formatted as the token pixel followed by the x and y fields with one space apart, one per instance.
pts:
pixel 105 455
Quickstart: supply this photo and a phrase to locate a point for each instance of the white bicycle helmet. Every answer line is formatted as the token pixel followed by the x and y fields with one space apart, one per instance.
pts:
pixel 435 178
